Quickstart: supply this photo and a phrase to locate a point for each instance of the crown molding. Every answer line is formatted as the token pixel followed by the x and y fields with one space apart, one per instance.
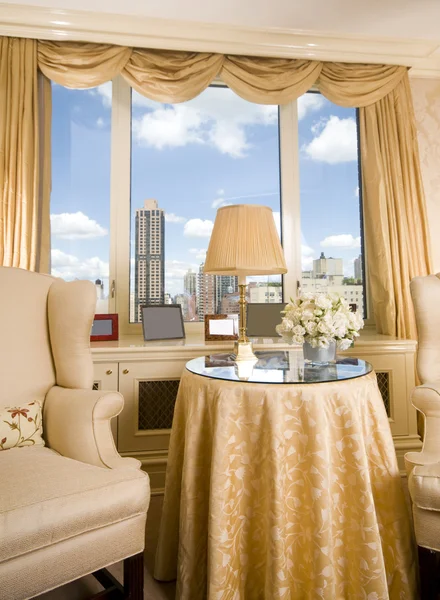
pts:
pixel 133 30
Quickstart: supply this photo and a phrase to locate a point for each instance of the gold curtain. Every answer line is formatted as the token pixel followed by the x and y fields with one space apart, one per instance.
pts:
pixel 21 149
pixel 396 227
pixel 80 65
pixel 395 214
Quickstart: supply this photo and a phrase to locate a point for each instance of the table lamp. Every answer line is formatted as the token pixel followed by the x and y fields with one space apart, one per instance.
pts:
pixel 244 242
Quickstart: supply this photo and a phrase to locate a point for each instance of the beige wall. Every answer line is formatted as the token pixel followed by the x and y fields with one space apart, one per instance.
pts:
pixel 426 94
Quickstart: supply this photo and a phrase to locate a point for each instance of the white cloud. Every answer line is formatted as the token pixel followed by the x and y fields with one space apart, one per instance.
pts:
pixel 75 226
pixel 336 142
pixel 169 127
pixel 174 273
pixel 306 257
pixel 172 218
pixel 220 192
pixel 198 228
pixel 100 123
pixel 70 267
pixel 200 253
pixel 217 118
pixel 105 92
pixel 307 250
pixel 308 103
pixel 217 202
pixel 142 101
pixel 345 240
pixel 356 192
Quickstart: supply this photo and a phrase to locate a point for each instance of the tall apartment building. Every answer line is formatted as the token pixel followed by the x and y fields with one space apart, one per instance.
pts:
pixel 358 267
pixel 206 294
pixel 224 284
pixel 190 282
pixel 149 256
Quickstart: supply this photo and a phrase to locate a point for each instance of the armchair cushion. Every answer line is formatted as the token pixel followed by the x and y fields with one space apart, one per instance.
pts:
pixel 21 426
pixel 424 486
pixel 46 498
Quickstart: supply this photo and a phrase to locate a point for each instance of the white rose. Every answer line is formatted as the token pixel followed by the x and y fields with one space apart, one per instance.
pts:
pixel 344 344
pixel 311 327
pixel 298 330
pixel 322 301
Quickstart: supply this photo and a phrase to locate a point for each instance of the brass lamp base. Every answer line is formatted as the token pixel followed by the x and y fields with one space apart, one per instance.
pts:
pixel 243 347
pixel 243 352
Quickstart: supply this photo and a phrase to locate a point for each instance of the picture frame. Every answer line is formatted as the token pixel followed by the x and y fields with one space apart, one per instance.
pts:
pixel 162 322
pixel 262 319
pixel 105 328
pixel 213 328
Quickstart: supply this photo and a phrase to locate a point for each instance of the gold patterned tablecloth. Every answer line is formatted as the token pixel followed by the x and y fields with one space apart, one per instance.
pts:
pixel 284 491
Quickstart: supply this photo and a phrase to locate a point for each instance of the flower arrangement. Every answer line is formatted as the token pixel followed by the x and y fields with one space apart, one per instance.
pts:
pixel 320 319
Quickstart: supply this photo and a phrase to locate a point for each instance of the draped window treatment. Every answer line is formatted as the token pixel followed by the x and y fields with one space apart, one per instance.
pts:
pixel 397 242
pixel 24 148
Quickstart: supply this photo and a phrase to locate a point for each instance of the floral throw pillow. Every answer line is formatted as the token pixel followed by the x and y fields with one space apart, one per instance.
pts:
pixel 21 426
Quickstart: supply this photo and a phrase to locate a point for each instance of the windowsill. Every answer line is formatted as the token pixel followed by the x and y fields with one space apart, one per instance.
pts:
pixel 195 342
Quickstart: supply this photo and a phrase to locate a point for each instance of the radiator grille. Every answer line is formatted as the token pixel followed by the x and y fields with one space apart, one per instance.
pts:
pixel 383 381
pixel 96 385
pixel 156 403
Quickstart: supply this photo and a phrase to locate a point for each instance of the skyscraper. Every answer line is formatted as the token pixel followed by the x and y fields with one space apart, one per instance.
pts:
pixel 190 282
pixel 149 256
pixel 358 267
pixel 224 284
pixel 206 293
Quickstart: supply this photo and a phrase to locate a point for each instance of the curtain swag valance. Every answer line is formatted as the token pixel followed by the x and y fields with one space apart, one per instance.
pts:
pixel 171 76
pixel 396 229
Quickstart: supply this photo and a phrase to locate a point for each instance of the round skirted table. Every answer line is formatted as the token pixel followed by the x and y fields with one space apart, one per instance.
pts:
pixel 283 485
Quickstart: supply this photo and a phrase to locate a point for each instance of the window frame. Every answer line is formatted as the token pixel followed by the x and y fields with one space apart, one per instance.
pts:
pixel 120 208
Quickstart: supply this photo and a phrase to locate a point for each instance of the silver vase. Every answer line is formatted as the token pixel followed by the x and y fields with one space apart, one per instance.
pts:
pixel 319 356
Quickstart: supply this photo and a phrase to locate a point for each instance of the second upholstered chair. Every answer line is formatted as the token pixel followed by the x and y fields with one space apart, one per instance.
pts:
pixel 424 467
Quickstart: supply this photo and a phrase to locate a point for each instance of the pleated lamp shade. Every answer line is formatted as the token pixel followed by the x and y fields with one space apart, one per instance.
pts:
pixel 245 241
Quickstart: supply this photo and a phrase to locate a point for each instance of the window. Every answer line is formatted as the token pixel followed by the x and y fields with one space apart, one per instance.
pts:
pixel 80 200
pixel 188 160
pixel 331 232
pixel 136 185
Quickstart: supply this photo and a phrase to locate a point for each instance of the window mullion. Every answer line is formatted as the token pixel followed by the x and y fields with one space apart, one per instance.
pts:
pixel 290 197
pixel 120 200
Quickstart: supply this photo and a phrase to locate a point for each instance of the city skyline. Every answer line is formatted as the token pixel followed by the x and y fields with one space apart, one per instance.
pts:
pixel 194 157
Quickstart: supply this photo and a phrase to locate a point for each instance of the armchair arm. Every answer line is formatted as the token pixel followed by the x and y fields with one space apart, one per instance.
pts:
pixel 426 398
pixel 76 423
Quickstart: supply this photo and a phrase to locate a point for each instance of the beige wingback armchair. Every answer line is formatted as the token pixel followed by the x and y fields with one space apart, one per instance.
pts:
pixel 73 506
pixel 423 467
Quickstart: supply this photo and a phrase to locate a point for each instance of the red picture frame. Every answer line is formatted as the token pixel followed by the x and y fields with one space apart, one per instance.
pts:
pixel 114 335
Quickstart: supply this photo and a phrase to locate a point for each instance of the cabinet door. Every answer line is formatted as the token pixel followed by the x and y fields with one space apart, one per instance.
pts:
pixel 106 378
pixel 150 390
pixel 392 379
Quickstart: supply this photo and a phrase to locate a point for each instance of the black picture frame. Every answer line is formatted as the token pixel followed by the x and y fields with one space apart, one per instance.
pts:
pixel 162 322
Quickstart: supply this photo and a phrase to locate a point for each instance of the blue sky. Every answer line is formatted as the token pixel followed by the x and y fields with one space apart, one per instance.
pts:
pixel 193 158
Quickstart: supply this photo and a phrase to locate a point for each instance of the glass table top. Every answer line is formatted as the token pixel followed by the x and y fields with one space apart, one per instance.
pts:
pixel 277 367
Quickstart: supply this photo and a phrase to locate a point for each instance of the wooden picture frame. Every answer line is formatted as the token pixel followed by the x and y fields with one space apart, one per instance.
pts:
pixel 212 337
pixel 162 322
pixel 105 323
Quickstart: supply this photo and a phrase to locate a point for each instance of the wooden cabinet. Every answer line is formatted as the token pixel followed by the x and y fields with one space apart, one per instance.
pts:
pixel 147 375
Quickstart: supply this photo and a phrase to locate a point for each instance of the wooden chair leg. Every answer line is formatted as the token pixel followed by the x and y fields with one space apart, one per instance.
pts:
pixel 134 577
pixel 428 568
